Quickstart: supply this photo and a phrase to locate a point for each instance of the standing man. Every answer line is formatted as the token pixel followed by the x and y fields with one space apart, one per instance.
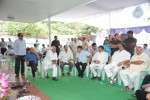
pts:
pixel 20 52
pixel 82 59
pixel 114 43
pixel 65 58
pixel 99 60
pixel 130 43
pixel 56 43
pixel 3 46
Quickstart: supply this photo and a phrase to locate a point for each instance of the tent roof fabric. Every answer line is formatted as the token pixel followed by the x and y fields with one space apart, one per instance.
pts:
pixel 36 10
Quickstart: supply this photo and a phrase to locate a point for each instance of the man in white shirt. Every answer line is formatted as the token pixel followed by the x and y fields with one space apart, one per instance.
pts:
pixel 118 59
pixel 20 52
pixel 68 43
pixel 99 60
pixel 10 42
pixel 65 58
pixel 89 42
pixel 50 61
pixel 131 74
pixel 146 50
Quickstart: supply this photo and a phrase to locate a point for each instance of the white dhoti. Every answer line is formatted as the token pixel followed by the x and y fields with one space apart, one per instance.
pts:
pixel 130 78
pixel 99 68
pixel 112 70
pixel 47 65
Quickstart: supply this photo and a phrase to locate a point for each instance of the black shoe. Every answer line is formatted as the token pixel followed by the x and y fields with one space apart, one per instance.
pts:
pixel 54 78
pixel 82 76
pixel 68 73
pixel 62 74
pixel 17 75
pixel 93 78
pixel 47 76
pixel 79 75
pixel 99 78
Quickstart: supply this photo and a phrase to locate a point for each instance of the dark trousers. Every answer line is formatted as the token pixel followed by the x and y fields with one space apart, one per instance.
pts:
pixel 62 64
pixel 141 94
pixel 3 50
pixel 33 66
pixel 81 70
pixel 19 60
pixel 146 80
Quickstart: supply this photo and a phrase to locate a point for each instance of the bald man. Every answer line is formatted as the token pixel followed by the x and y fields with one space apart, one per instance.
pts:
pixel 50 61
pixel 131 74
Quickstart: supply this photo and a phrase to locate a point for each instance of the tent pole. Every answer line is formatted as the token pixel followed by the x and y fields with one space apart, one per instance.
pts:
pixel 109 22
pixel 20 27
pixel 49 27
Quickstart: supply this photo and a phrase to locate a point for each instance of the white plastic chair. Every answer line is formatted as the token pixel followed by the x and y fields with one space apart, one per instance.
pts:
pixel 28 69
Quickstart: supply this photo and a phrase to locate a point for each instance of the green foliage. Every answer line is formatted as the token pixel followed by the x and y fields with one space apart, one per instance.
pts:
pixel 40 29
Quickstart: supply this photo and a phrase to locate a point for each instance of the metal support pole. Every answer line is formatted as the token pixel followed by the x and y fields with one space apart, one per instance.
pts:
pixel 20 27
pixel 49 27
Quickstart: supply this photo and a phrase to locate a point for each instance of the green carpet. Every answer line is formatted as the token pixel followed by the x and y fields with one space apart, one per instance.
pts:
pixel 75 88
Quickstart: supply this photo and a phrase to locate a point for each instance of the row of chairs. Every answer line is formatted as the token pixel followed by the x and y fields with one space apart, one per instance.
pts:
pixel 88 73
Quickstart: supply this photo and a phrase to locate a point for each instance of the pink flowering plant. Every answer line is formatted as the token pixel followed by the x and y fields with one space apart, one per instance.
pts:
pixel 5 85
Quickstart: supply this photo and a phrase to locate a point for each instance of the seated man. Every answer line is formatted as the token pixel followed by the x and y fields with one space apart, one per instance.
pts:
pixel 82 59
pixel 65 58
pixel 99 60
pixel 118 59
pixel 32 61
pixel 138 63
pixel 50 61
pixel 144 93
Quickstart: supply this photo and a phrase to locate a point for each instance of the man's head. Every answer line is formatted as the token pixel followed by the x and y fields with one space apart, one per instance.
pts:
pixel 20 36
pixel 43 45
pixel 65 47
pixel 55 37
pixel 121 46
pixel 2 39
pixel 139 50
pixel 106 42
pixel 53 48
pixel 32 50
pixel 100 48
pixel 71 39
pixel 94 45
pixel 79 48
pixel 84 38
pixel 145 46
pixel 88 39
pixel 9 39
pixel 116 36
pixel 35 45
pixel 130 34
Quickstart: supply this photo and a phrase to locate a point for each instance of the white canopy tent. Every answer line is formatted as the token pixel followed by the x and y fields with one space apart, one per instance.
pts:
pixel 114 14
pixel 32 11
